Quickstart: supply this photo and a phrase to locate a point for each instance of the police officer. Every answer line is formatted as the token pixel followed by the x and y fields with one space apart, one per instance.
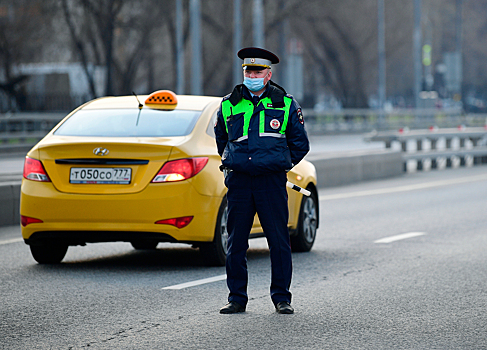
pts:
pixel 260 136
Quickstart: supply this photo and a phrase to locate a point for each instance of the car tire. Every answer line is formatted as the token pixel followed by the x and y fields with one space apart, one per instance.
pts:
pixel 307 224
pixel 48 254
pixel 215 253
pixel 145 245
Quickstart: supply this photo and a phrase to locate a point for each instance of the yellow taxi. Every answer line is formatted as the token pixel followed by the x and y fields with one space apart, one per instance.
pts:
pixel 117 169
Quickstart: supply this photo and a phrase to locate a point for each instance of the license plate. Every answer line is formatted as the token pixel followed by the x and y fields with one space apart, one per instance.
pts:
pixel 100 176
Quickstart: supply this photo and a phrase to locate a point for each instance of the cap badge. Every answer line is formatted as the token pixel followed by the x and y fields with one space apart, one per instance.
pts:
pixel 252 60
pixel 275 124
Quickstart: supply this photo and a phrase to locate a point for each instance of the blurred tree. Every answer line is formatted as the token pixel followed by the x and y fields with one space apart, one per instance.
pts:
pixel 474 37
pixel 338 40
pixel 113 33
pixel 80 45
pixel 23 24
pixel 135 41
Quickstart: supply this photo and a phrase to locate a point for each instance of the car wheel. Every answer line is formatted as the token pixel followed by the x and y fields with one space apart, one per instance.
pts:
pixel 307 224
pixel 145 245
pixel 48 254
pixel 215 253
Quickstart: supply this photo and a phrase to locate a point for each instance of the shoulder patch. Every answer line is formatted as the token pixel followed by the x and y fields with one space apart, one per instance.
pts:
pixel 300 116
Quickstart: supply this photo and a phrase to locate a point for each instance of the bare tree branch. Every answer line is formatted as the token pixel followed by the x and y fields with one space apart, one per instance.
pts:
pixel 80 47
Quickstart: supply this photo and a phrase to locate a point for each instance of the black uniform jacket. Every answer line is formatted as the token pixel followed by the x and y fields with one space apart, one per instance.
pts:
pixel 259 154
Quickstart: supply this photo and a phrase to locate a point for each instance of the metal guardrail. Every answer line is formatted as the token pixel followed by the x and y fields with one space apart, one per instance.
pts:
pixel 20 131
pixel 475 153
pixel 29 122
pixel 367 120
pixel 322 122
pixel 42 102
pixel 25 129
pixel 19 142
pixel 475 135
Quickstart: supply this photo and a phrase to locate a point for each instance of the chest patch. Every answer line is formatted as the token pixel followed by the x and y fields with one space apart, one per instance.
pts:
pixel 275 124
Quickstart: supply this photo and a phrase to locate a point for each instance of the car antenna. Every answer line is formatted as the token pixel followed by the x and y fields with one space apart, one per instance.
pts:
pixel 140 104
pixel 140 108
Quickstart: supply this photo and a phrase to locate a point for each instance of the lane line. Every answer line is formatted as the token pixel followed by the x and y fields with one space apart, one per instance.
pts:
pixel 14 240
pixel 403 188
pixel 197 282
pixel 400 237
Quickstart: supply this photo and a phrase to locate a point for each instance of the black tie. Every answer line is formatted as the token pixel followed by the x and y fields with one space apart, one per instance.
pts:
pixel 255 99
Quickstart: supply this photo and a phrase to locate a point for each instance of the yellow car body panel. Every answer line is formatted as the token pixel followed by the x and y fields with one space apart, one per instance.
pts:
pixel 69 208
pixel 126 212
pixel 119 148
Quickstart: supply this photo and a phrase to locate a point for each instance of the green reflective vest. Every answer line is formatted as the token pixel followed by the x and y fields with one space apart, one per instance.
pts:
pixel 246 108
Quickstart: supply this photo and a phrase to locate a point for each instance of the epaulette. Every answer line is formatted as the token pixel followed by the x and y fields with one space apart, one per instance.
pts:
pixel 226 97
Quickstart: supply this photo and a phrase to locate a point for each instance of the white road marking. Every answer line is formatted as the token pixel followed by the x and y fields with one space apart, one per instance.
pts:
pixel 404 188
pixel 14 240
pixel 399 237
pixel 197 282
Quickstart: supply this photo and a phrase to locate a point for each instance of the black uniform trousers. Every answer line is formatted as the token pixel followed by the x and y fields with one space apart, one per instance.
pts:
pixel 265 195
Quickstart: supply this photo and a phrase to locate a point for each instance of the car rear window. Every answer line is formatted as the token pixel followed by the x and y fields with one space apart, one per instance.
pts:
pixel 129 122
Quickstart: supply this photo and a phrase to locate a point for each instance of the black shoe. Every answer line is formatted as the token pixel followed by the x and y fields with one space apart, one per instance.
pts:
pixel 284 308
pixel 232 308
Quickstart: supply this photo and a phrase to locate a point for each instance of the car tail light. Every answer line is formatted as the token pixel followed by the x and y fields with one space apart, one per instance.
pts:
pixel 181 169
pixel 25 220
pixel 178 222
pixel 33 170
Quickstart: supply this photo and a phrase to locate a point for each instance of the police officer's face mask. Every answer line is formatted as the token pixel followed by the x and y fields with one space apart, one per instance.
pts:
pixel 255 84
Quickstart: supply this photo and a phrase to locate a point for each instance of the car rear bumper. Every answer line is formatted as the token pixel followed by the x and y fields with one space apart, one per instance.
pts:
pixel 83 237
pixel 83 218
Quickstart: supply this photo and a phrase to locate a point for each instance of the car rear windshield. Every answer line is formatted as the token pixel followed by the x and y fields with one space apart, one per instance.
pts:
pixel 129 122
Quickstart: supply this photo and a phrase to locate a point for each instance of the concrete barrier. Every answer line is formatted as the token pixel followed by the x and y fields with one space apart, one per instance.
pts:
pixel 9 203
pixel 350 167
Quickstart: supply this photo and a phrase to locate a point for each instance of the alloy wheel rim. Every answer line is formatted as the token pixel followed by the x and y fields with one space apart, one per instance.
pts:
pixel 309 220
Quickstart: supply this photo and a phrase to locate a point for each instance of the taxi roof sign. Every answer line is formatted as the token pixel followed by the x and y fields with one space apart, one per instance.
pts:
pixel 162 99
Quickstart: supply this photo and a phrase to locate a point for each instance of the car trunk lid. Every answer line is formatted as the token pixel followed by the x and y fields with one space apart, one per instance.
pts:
pixel 104 166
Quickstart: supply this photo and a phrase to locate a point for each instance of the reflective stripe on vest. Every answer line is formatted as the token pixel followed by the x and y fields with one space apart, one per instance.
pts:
pixel 267 102
pixel 246 107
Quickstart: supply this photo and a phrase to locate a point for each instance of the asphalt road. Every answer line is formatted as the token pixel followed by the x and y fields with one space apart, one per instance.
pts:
pixel 423 290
